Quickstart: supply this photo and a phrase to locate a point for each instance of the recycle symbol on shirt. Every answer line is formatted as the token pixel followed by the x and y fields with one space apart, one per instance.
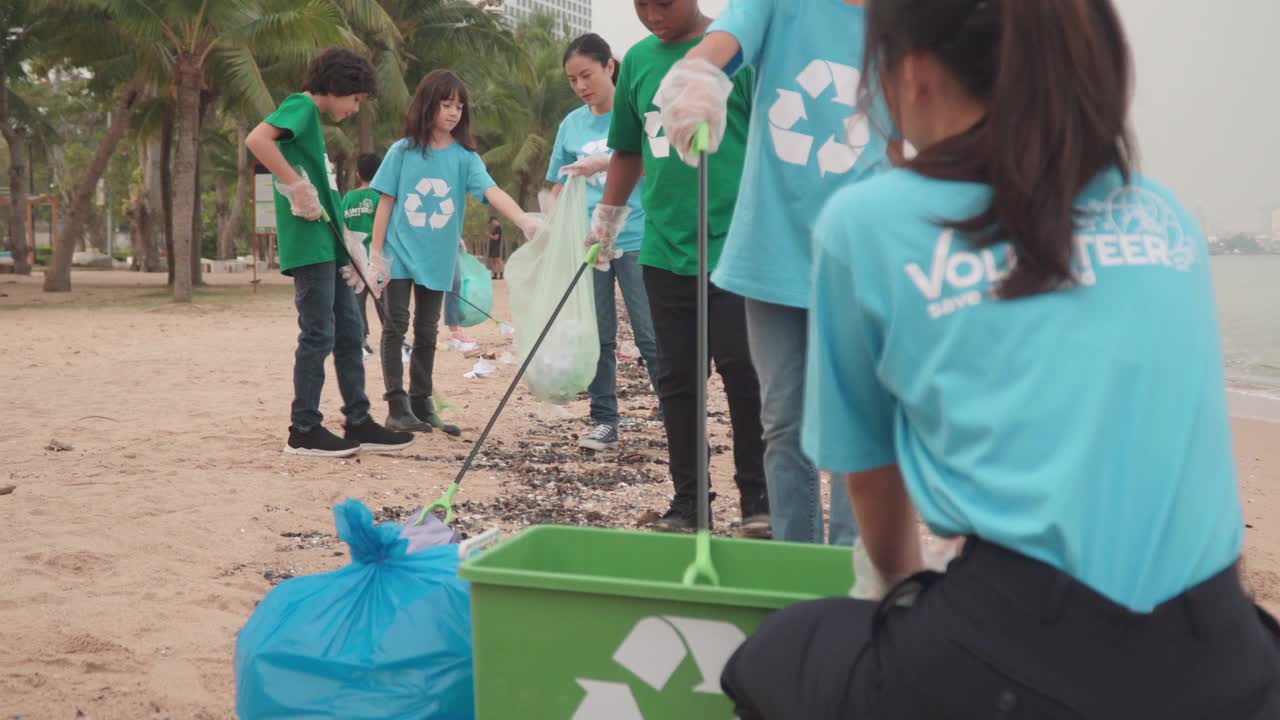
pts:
pixel 794 147
pixel 415 204
pixel 596 147
pixel 652 652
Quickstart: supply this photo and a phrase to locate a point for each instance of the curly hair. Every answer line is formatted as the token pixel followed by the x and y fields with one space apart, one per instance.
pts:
pixel 340 72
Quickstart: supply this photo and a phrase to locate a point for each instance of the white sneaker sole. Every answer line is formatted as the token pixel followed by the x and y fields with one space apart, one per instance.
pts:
pixel 312 452
pixel 593 445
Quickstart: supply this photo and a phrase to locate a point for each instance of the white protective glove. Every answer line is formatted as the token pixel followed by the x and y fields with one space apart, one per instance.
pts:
pixel 376 269
pixel 352 278
pixel 304 201
pixel 589 166
pixel 607 222
pixel 693 92
pixel 530 224
pixel 868 584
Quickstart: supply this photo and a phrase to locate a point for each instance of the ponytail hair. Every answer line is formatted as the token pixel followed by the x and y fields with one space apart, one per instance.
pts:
pixel 1055 76
pixel 593 46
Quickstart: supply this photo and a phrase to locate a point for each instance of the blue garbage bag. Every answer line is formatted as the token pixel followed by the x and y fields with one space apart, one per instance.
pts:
pixel 388 636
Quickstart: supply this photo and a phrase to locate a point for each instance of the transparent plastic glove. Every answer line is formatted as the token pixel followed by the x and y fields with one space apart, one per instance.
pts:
pixel 868 584
pixel 587 166
pixel 607 222
pixel 352 278
pixel 693 92
pixel 304 201
pixel 530 224
pixel 379 273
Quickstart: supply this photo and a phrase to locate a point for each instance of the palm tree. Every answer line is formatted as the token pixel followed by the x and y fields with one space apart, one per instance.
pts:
pixel 25 26
pixel 520 110
pixel 194 42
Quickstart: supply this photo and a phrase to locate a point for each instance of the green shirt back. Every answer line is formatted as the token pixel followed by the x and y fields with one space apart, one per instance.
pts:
pixel 670 191
pixel 302 144
pixel 358 207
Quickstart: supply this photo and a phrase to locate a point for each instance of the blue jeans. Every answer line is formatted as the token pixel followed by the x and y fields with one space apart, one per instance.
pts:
pixel 328 322
pixel 604 387
pixel 452 312
pixel 778 336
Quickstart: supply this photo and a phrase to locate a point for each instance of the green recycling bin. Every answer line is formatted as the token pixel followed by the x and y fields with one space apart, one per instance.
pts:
pixel 587 624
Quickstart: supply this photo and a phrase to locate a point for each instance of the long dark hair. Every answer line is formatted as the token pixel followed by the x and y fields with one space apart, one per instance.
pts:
pixel 434 88
pixel 1055 76
pixel 593 46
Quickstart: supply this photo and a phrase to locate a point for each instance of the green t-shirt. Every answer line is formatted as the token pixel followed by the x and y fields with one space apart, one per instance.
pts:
pixel 302 144
pixel 357 212
pixel 671 187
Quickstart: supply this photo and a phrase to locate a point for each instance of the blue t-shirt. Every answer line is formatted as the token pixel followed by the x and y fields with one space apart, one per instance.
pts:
pixel 582 134
pixel 1086 428
pixel 808 58
pixel 430 188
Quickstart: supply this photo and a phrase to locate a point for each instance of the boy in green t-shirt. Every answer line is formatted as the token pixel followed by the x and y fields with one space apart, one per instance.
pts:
pixel 669 256
pixel 358 207
pixel 290 143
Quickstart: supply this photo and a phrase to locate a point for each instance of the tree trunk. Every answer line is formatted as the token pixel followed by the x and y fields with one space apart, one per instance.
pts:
pixel 16 138
pixel 153 205
pixel 58 277
pixel 230 230
pixel 185 244
pixel 366 129
pixel 137 239
pixel 166 189
pixel 221 209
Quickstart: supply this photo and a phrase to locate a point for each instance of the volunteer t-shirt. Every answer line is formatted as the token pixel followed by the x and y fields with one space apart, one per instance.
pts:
pixel 583 134
pixel 358 208
pixel 670 194
pixel 808 138
pixel 1086 428
pixel 302 144
pixel 430 188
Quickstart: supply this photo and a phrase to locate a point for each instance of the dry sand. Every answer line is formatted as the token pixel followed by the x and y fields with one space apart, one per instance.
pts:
pixel 133 557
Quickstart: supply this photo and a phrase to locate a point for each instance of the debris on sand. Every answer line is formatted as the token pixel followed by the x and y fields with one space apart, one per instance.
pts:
pixel 7 489
pixel 56 445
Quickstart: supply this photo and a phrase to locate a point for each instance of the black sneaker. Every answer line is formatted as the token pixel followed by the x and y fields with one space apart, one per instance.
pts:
pixel 676 520
pixel 755 517
pixel 372 437
pixel 319 442
pixel 601 437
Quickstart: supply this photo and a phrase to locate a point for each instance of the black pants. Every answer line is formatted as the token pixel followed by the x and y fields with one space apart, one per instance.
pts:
pixel 1003 636
pixel 673 302
pixel 426 314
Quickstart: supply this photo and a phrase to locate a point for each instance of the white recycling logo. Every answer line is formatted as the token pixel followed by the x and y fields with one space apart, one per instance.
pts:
pixel 652 652
pixel 596 147
pixel 835 156
pixel 659 145
pixel 414 207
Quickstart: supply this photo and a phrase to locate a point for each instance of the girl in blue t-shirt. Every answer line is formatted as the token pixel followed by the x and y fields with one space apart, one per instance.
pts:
pixel 582 149
pixel 424 180
pixel 1014 336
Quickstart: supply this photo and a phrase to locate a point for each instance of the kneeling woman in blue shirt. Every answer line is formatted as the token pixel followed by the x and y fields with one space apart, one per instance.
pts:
pixel 1015 336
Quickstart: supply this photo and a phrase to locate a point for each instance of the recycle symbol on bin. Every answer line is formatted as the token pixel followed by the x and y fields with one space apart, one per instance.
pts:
pixel 835 156
pixel 414 204
pixel 652 652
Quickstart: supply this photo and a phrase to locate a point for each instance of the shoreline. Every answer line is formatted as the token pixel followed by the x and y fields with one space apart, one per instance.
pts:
pixel 1256 405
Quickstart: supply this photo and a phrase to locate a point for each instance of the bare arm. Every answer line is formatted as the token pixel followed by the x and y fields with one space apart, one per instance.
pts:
pixel 625 170
pixel 556 189
pixel 381 218
pixel 886 520
pixel 262 143
pixel 504 204
pixel 718 48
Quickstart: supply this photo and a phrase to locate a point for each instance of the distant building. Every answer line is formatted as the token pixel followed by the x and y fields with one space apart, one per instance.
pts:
pixel 1275 224
pixel 575 13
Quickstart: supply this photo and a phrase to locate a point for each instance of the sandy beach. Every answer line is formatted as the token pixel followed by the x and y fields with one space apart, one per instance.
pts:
pixel 152 506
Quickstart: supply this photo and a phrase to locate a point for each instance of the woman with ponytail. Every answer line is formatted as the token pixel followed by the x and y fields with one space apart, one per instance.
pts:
pixel 1014 336
pixel 582 149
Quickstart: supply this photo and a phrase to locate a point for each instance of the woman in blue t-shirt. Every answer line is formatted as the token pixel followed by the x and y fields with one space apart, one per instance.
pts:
pixel 1014 336
pixel 582 149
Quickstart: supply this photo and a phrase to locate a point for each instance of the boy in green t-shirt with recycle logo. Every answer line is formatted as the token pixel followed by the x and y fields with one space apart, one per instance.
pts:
pixel 290 143
pixel 669 256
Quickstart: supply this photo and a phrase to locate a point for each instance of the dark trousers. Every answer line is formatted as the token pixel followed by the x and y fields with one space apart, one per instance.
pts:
pixel 426 313
pixel 1003 636
pixel 363 297
pixel 673 305
pixel 328 322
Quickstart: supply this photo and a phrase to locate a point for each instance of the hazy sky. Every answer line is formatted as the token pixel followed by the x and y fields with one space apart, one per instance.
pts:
pixel 1207 111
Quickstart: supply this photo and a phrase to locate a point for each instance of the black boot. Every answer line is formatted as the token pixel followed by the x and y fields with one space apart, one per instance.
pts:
pixel 425 410
pixel 400 416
